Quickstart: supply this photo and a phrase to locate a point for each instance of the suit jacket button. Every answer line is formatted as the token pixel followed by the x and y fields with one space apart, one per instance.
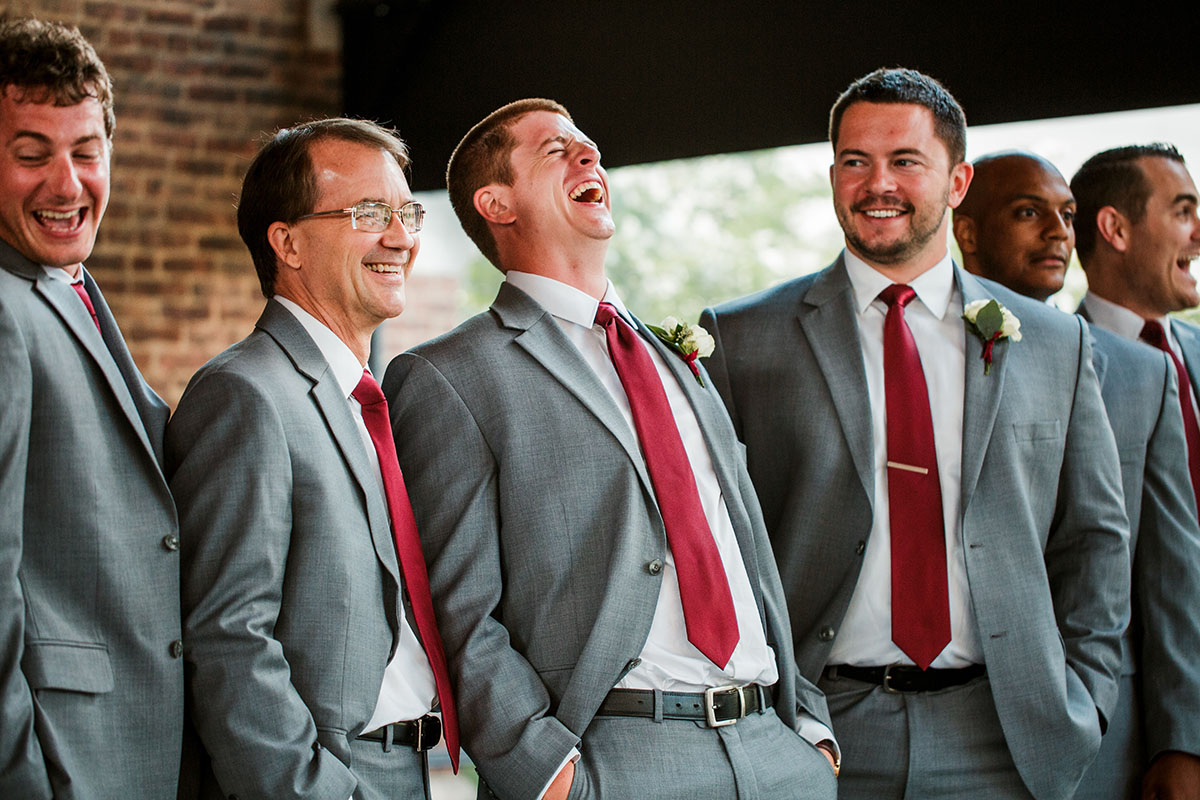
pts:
pixel 654 567
pixel 177 649
pixel 859 548
pixel 826 634
pixel 171 542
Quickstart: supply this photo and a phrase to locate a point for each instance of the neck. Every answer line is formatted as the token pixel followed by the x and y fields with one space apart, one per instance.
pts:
pixel 1104 278
pixel 581 269
pixel 356 337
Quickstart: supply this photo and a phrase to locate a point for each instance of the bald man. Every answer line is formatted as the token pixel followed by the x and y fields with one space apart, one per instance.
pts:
pixel 1016 226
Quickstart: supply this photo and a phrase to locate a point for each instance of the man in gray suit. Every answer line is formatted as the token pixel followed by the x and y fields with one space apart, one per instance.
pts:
pixel 1016 226
pixel 1138 234
pixel 563 562
pixel 943 498
pixel 91 679
pixel 313 661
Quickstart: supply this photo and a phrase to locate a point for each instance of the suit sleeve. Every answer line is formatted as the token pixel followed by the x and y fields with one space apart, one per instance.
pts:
pixel 452 478
pixel 231 475
pixel 1087 551
pixel 22 768
pixel 1166 574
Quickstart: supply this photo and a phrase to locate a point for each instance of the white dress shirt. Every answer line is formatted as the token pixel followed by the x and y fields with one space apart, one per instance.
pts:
pixel 668 660
pixel 408 689
pixel 934 317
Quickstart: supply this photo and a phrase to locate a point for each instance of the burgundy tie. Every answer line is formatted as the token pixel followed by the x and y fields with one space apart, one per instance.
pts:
pixel 87 301
pixel 920 598
pixel 1153 333
pixel 408 548
pixel 703 587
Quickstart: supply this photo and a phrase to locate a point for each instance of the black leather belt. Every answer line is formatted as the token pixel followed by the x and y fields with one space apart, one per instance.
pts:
pixel 719 706
pixel 419 734
pixel 904 679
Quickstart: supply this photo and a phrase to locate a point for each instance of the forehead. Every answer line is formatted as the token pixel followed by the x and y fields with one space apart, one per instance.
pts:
pixel 347 172
pixel 47 120
pixel 1027 178
pixel 537 127
pixel 1168 177
pixel 886 126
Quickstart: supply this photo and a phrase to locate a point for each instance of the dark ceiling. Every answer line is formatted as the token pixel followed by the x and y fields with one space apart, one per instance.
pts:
pixel 658 80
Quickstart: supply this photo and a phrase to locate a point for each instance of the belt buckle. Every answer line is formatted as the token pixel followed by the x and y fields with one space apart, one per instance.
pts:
pixel 710 711
pixel 429 733
pixel 887 682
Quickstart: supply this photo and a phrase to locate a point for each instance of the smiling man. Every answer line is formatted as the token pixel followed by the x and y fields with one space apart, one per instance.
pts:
pixel 314 659
pixel 613 618
pixel 945 510
pixel 1138 235
pixel 91 679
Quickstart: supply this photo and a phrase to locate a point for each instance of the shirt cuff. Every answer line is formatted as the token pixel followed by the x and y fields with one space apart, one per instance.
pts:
pixel 812 730
pixel 571 756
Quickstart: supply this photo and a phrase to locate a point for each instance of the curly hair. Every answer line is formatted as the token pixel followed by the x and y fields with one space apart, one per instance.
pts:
pixel 51 62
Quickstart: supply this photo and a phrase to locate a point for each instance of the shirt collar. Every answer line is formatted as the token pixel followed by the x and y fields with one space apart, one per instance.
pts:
pixel 347 371
pixel 60 274
pixel 1119 319
pixel 563 301
pixel 934 286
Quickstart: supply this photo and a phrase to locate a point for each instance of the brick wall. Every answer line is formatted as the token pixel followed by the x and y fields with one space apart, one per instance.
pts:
pixel 197 83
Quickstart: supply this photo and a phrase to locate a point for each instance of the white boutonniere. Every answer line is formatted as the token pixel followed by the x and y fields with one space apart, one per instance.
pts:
pixel 991 322
pixel 690 341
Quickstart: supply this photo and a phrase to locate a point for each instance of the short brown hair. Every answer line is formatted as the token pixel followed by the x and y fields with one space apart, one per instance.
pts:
pixel 484 157
pixel 1113 178
pixel 51 62
pixel 902 85
pixel 280 185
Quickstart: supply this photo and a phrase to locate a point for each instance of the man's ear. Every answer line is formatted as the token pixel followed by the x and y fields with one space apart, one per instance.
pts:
pixel 964 233
pixel 1114 228
pixel 493 202
pixel 960 181
pixel 283 241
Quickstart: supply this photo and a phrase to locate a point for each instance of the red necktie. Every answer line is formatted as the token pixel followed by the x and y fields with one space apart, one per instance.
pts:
pixel 920 598
pixel 1153 333
pixel 87 301
pixel 408 548
pixel 703 588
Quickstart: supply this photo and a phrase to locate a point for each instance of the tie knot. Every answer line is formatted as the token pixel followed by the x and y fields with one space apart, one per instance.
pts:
pixel 1153 333
pixel 605 313
pixel 897 293
pixel 367 392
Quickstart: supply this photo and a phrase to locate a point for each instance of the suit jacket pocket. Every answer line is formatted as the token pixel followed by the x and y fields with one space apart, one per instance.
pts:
pixel 68 666
pixel 1037 431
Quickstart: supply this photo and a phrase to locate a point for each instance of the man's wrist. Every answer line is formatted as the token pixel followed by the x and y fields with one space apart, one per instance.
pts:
pixel 827 747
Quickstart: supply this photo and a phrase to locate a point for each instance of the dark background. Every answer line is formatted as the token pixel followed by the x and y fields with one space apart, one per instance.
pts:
pixel 657 80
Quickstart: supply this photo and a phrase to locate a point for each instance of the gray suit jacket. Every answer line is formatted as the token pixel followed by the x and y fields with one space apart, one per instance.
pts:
pixel 542 534
pixel 1043 523
pixel 290 579
pixel 91 685
pixel 1161 647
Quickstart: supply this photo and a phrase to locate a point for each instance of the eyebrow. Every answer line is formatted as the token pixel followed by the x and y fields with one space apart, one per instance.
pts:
pixel 903 151
pixel 1185 197
pixel 44 139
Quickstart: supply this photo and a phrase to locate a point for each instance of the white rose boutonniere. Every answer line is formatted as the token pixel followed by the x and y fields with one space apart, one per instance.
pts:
pixel 991 322
pixel 690 341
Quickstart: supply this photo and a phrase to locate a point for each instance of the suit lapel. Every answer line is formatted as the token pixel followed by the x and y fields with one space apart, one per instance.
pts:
pixel 828 318
pixel 1189 343
pixel 62 298
pixel 285 329
pixel 546 343
pixel 981 397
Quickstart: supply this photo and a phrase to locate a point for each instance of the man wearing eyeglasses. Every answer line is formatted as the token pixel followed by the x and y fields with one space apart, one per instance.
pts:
pixel 314 662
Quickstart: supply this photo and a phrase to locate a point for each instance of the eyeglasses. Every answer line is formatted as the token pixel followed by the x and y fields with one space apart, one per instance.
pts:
pixel 375 217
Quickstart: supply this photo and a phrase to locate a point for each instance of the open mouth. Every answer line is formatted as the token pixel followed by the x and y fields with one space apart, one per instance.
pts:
pixel 588 192
pixel 1185 263
pixel 882 213
pixel 61 221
